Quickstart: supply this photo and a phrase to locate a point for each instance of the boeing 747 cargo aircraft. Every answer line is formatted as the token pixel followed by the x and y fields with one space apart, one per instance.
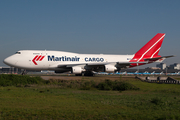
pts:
pixel 86 64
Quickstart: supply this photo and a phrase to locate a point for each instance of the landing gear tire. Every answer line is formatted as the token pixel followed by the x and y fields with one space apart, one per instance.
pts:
pixel 88 73
pixel 78 74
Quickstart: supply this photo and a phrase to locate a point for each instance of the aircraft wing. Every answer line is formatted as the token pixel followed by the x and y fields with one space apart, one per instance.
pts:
pixel 129 64
pixel 118 65
pixel 99 65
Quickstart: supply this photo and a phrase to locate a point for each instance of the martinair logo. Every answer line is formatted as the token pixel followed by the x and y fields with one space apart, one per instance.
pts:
pixel 37 58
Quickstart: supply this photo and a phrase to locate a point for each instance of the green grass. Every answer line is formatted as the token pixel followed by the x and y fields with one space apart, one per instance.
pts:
pixel 16 80
pixel 57 100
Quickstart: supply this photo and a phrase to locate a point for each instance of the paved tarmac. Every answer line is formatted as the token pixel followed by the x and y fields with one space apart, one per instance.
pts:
pixel 84 77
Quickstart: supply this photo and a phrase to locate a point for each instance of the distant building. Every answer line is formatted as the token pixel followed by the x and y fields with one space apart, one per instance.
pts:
pixel 153 68
pixel 162 66
pixel 175 66
pixel 12 70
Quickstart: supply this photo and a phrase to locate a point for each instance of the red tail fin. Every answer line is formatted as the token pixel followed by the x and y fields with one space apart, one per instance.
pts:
pixel 150 49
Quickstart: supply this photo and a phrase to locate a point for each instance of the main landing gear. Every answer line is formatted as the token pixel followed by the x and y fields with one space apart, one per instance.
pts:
pixel 87 73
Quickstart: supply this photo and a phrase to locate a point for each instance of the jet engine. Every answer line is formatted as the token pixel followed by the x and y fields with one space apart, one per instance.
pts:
pixel 109 68
pixel 76 70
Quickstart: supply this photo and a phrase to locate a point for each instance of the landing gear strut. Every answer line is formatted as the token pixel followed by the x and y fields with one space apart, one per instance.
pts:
pixel 24 72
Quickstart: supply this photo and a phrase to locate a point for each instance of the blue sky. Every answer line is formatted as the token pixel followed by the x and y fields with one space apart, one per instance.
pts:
pixel 88 26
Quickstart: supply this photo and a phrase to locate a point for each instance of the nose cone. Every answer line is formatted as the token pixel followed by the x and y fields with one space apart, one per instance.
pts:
pixel 6 61
pixel 9 61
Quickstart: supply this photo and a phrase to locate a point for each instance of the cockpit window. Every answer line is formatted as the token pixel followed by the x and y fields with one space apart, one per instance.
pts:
pixel 18 53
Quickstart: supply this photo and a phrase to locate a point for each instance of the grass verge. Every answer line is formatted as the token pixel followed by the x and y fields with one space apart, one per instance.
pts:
pixel 57 100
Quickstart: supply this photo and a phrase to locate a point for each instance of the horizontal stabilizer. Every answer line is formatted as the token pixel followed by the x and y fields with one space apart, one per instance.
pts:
pixel 158 58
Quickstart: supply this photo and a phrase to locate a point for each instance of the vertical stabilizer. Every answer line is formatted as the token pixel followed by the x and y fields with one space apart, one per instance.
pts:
pixel 150 49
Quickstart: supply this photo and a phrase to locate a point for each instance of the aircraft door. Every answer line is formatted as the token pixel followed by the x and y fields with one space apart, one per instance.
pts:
pixel 44 60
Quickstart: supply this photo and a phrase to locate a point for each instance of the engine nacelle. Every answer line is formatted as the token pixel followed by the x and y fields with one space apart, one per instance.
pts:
pixel 109 68
pixel 76 70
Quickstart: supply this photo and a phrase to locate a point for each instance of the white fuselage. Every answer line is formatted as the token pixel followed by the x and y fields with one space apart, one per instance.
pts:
pixel 86 63
pixel 53 60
